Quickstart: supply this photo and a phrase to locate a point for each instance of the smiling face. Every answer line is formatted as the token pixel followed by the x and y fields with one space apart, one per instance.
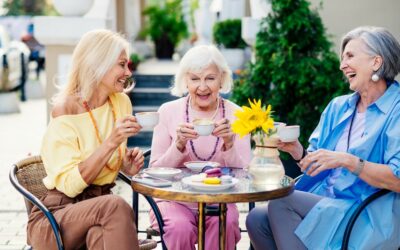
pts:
pixel 357 65
pixel 114 80
pixel 203 87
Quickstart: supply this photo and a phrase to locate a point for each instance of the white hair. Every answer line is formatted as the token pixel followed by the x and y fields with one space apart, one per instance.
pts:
pixel 197 59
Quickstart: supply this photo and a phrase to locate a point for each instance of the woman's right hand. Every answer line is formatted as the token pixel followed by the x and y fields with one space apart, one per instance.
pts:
pixel 184 132
pixel 295 149
pixel 124 128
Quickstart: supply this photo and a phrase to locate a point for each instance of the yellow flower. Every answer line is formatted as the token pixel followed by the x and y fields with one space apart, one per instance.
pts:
pixel 252 119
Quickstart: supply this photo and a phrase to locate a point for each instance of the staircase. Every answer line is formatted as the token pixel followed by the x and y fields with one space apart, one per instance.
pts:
pixel 149 93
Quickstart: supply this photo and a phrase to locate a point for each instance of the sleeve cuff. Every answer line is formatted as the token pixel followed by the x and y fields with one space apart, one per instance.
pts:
pixel 75 183
pixel 395 169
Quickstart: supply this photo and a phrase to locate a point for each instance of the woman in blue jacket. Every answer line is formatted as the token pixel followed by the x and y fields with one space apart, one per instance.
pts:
pixel 353 152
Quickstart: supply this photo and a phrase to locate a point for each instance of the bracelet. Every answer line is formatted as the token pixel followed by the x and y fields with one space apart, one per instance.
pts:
pixel 359 168
pixel 302 156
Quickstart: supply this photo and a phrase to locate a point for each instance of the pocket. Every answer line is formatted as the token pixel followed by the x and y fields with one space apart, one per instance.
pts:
pixel 56 200
pixel 51 201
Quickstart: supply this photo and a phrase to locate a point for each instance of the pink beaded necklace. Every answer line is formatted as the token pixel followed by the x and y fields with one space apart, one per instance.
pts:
pixel 222 104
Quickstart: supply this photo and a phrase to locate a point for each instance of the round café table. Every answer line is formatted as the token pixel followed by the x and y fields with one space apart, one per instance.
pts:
pixel 243 191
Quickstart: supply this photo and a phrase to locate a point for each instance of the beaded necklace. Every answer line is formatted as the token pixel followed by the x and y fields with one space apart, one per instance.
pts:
pixel 86 106
pixel 216 142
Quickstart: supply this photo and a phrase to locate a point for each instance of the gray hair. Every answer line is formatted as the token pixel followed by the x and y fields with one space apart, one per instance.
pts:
pixel 379 42
pixel 196 59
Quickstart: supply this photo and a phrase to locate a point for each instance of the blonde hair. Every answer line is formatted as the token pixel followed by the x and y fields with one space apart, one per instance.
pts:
pixel 94 55
pixel 196 59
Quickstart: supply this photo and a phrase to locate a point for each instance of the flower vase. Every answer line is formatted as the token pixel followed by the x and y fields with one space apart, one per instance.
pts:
pixel 266 168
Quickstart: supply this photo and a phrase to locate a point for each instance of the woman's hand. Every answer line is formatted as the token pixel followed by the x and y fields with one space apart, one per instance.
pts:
pixel 184 132
pixel 223 129
pixel 295 149
pixel 133 161
pixel 124 128
pixel 322 159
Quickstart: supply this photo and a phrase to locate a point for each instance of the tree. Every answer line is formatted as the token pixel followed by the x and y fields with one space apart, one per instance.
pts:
pixel 295 70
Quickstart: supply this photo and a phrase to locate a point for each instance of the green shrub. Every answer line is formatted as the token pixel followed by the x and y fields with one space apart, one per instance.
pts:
pixel 296 70
pixel 228 33
pixel 166 19
pixel 135 58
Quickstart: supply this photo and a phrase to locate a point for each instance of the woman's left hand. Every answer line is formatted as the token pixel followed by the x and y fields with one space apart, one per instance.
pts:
pixel 223 129
pixel 133 161
pixel 322 159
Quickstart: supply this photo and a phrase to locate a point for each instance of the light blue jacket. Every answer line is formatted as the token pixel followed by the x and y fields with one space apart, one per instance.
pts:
pixel 379 226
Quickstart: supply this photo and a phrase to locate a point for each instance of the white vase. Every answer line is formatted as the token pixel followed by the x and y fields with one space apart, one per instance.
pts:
pixel 72 7
pixel 9 103
pixel 234 57
pixel 250 28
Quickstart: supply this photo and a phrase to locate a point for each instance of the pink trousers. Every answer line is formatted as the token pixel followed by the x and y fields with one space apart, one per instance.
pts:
pixel 180 227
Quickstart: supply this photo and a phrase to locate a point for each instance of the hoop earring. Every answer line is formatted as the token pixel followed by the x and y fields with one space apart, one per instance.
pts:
pixel 375 77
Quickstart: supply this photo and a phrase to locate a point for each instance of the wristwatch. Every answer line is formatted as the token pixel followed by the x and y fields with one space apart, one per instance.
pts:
pixel 359 168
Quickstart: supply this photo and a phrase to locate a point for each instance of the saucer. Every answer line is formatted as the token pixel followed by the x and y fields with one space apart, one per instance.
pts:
pixel 197 166
pixel 162 172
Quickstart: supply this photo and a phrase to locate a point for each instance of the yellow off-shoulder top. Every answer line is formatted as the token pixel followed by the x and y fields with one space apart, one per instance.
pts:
pixel 70 139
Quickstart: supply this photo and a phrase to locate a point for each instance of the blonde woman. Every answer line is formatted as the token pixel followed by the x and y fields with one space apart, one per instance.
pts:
pixel 84 148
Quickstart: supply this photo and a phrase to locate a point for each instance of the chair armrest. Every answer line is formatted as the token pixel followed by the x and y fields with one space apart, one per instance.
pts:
pixel 357 212
pixel 33 199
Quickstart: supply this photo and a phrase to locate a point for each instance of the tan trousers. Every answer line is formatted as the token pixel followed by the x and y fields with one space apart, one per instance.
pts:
pixel 96 218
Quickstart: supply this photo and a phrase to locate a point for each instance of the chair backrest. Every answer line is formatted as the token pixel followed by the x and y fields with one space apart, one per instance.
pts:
pixel 30 174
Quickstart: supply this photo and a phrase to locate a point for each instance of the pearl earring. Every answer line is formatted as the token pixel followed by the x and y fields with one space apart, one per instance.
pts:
pixel 375 77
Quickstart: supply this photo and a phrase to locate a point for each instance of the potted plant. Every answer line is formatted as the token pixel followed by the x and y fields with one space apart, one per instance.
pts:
pixel 134 60
pixel 166 27
pixel 227 34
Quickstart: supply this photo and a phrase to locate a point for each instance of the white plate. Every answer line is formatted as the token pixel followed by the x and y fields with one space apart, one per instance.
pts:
pixel 200 186
pixel 197 166
pixel 162 172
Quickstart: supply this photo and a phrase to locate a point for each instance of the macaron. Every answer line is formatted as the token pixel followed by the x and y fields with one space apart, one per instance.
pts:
pixel 212 181
pixel 198 177
pixel 215 172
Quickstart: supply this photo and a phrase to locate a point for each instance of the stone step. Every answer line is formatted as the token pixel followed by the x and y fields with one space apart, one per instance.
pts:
pixel 149 93
pixel 137 109
pixel 153 81
pixel 150 98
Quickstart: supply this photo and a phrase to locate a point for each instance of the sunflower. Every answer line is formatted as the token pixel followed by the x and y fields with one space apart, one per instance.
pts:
pixel 252 119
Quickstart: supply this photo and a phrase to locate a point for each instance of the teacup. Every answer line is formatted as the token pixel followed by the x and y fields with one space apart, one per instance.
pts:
pixel 289 133
pixel 203 127
pixel 147 119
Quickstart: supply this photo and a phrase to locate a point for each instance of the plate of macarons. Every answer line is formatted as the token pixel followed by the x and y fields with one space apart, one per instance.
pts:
pixel 210 180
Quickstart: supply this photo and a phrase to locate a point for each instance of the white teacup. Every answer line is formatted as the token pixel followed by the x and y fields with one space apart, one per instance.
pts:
pixel 289 133
pixel 147 119
pixel 203 127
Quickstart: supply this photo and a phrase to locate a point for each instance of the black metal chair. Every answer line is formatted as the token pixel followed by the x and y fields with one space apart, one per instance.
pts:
pixel 150 232
pixel 357 212
pixel 26 176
